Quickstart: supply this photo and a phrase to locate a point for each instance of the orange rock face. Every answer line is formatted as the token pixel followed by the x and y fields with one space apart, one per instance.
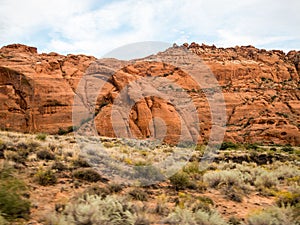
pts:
pixel 260 88
pixel 37 90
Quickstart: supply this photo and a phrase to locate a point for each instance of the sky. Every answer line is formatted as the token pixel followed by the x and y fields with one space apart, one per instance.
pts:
pixel 96 27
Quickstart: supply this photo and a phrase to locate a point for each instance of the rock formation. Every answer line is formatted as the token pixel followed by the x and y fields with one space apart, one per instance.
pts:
pixel 260 88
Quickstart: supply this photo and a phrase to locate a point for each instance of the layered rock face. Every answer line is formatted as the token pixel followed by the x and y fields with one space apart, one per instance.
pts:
pixel 37 90
pixel 260 88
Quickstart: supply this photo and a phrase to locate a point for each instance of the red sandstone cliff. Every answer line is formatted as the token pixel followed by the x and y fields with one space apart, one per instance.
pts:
pixel 261 91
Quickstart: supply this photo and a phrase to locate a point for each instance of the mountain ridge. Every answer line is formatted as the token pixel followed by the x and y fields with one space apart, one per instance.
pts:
pixel 261 91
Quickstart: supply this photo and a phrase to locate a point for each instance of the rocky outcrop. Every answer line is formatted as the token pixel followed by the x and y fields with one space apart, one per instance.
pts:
pixel 37 90
pixel 260 88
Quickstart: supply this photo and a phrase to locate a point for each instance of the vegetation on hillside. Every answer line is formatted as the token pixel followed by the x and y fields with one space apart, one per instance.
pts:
pixel 246 184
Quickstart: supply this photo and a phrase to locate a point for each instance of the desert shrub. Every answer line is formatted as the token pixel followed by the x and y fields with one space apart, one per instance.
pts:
pixel 115 187
pixel 251 146
pixel 62 131
pixel 147 174
pixel 15 157
pixel 138 194
pixel 12 203
pixel 202 203
pixel 180 180
pixel 94 210
pixel 33 145
pixel 45 177
pixel 96 190
pixel 59 166
pixel 287 148
pixel 45 154
pixel 234 220
pixel 88 174
pixel 248 170
pixel 213 179
pixel 161 209
pixel 224 177
pixel 273 216
pixel 180 216
pixel 185 216
pixel 288 198
pixel 266 180
pixel 80 162
pixel 227 165
pixel 191 168
pixel 283 172
pixel 234 193
pixel 228 145
pixel 211 218
pixel 201 186
pixel 41 136
pixel 231 182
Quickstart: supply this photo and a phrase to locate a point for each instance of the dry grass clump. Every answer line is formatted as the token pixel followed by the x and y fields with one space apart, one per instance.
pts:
pixel 138 194
pixel 88 174
pixel 186 216
pixel 231 182
pixel 45 154
pixel 45 177
pixel 95 210
pixel 274 216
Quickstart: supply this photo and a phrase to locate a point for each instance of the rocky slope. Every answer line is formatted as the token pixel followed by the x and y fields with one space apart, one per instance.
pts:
pixel 260 88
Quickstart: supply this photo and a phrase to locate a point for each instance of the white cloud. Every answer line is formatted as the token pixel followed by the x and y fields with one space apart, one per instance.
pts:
pixel 96 27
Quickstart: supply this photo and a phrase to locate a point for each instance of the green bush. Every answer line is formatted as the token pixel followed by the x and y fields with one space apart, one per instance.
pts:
pixel 62 131
pixel 288 198
pixel 12 203
pixel 45 177
pixel 41 136
pixel 251 146
pixel 202 203
pixel 192 168
pixel 180 180
pixel 228 145
pixel 288 149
